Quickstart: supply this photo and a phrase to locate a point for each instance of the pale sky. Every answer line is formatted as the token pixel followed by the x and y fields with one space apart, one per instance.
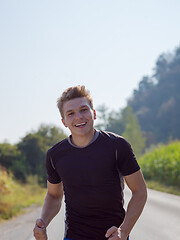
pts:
pixel 47 46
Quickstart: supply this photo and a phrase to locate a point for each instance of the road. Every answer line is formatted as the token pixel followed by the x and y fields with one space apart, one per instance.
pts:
pixel 159 220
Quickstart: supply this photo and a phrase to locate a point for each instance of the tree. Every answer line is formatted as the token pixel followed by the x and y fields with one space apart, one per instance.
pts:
pixel 123 122
pixel 12 159
pixel 51 134
pixel 34 147
pixel 28 156
pixel 132 132
pixel 156 101
pixel 115 123
pixel 102 117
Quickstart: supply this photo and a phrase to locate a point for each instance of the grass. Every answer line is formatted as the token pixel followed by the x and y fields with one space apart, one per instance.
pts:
pixel 14 197
pixel 161 167
pixel 158 186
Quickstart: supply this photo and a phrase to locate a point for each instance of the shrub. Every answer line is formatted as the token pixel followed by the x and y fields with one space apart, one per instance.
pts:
pixel 6 182
pixel 163 164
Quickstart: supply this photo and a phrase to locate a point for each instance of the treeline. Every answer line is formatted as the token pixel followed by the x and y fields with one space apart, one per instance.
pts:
pixel 152 113
pixel 27 157
pixel 156 101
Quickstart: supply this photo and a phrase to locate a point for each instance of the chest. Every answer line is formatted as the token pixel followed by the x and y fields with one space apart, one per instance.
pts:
pixel 92 166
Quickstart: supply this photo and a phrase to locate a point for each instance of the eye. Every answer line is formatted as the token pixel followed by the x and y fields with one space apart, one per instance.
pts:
pixel 70 114
pixel 84 109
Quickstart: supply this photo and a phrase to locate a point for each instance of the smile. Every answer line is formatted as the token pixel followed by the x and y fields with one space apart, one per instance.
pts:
pixel 80 124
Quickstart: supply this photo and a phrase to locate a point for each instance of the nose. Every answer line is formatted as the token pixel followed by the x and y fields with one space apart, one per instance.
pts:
pixel 78 115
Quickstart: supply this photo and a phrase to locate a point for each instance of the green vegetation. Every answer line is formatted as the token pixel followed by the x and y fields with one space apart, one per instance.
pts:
pixel 157 99
pixel 28 156
pixel 162 165
pixel 155 104
pixel 14 196
pixel 132 131
pixel 125 123
pixel 22 170
pixel 159 186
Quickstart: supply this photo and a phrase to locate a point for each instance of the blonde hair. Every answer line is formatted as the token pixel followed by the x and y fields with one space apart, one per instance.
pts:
pixel 71 93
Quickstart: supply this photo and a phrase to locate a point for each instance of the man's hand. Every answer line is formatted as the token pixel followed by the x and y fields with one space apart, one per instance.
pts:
pixel 40 230
pixel 115 233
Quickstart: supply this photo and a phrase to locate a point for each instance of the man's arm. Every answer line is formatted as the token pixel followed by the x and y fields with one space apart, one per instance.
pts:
pixel 136 204
pixel 51 207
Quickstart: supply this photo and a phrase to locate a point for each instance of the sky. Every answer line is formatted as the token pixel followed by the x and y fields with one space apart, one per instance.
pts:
pixel 48 46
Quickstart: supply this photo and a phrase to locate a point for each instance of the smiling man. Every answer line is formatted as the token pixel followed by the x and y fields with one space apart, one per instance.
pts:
pixel 79 117
pixel 87 167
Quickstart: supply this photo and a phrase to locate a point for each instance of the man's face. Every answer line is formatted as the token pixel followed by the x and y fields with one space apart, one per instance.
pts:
pixel 78 116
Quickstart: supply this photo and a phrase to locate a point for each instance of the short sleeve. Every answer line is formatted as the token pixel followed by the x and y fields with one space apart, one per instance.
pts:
pixel 127 162
pixel 53 176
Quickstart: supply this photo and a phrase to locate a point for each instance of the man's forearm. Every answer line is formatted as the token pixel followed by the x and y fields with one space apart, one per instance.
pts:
pixel 134 210
pixel 50 208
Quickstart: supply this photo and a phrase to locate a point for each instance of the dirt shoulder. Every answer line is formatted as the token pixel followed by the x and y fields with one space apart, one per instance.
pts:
pixel 20 228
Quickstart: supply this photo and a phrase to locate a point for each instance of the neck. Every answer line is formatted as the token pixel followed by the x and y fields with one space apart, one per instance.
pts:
pixel 82 141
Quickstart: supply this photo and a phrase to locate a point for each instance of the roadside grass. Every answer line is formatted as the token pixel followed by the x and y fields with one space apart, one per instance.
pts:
pixel 161 167
pixel 15 197
pixel 158 186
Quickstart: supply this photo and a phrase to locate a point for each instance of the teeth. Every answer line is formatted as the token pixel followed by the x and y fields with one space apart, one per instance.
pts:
pixel 80 124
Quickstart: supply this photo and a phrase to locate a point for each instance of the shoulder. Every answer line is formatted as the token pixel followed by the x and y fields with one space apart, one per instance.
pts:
pixel 58 147
pixel 113 136
pixel 117 141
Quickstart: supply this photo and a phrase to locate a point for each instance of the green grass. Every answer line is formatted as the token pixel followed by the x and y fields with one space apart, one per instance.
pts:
pixel 162 164
pixel 14 197
pixel 158 186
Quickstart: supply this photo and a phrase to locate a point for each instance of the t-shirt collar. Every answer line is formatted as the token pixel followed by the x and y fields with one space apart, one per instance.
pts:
pixel 94 139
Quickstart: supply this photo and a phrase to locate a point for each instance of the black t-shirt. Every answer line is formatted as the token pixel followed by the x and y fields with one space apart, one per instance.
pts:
pixel 91 180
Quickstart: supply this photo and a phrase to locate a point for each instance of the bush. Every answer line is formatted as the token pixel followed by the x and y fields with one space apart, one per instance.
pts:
pixel 163 164
pixel 5 182
pixel 16 196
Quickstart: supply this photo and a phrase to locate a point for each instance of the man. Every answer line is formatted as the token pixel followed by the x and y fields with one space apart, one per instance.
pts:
pixel 87 168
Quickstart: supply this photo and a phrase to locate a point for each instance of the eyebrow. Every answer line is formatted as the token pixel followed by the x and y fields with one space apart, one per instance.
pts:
pixel 84 106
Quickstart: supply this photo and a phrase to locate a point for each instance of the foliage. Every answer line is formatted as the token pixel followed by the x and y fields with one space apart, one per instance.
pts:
pixel 15 196
pixel 12 159
pixel 102 117
pixel 163 164
pixel 28 156
pixel 132 131
pixel 6 182
pixel 125 123
pixel 162 187
pixel 34 150
pixel 157 99
pixel 155 104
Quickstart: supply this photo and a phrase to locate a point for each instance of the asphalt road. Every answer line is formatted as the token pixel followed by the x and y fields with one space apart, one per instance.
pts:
pixel 159 220
pixel 20 228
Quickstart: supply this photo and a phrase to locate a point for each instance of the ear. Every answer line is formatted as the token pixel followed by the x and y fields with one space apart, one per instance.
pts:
pixel 94 114
pixel 63 122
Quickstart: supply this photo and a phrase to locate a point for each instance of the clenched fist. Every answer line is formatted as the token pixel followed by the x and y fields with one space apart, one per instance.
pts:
pixel 40 230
